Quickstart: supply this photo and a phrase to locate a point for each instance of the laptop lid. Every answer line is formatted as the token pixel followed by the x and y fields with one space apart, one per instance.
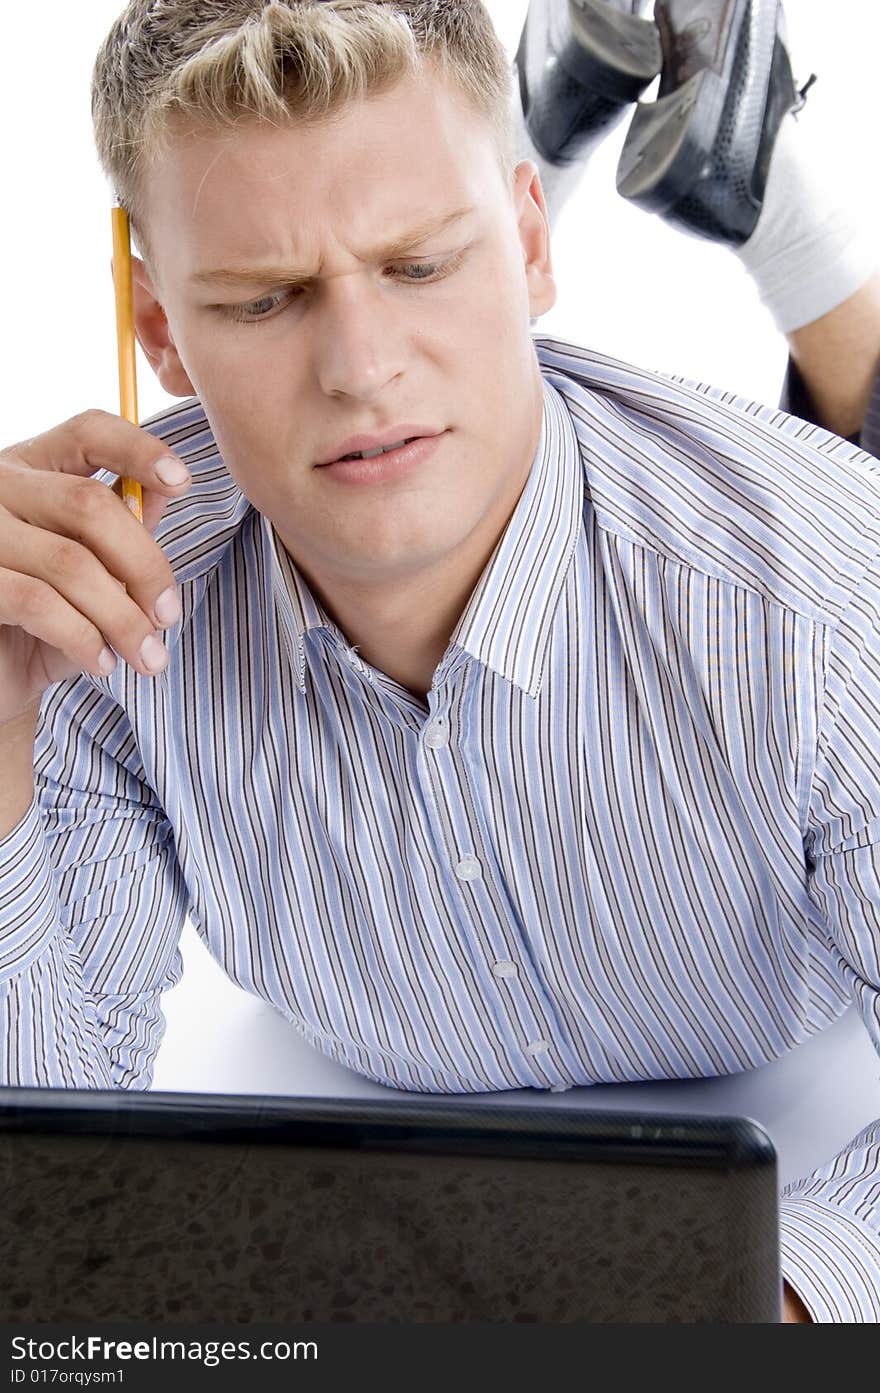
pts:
pixel 189 1207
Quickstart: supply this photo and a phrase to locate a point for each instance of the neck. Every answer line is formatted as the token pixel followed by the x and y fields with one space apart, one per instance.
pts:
pixel 403 628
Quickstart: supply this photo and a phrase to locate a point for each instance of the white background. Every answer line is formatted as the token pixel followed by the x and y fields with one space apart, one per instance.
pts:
pixel 628 285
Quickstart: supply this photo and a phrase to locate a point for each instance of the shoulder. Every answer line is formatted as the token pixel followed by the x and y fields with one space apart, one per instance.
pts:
pixel 197 530
pixel 738 490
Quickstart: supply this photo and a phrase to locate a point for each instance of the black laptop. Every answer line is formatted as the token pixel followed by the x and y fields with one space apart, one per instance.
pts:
pixel 191 1207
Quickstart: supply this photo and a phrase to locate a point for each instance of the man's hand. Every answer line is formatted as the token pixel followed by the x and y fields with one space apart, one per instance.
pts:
pixel 79 575
pixel 794 1312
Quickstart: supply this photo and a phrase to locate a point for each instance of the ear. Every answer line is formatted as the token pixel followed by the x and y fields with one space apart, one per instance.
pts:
pixel 154 334
pixel 534 234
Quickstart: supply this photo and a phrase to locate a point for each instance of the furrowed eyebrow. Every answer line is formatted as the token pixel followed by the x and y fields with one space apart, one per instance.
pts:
pixel 245 276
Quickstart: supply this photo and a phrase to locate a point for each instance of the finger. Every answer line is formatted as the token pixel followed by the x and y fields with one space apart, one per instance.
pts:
pixel 154 505
pixel 31 605
pixel 87 512
pixel 50 569
pixel 98 439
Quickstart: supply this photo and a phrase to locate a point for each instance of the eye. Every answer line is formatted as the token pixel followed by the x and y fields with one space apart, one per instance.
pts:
pixel 416 271
pixel 256 310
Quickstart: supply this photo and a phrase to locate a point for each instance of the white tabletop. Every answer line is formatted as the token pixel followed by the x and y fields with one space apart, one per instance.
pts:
pixel 811 1102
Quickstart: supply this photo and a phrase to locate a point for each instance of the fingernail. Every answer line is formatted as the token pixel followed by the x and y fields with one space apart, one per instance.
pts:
pixel 167 607
pixel 153 654
pixel 106 661
pixel 171 471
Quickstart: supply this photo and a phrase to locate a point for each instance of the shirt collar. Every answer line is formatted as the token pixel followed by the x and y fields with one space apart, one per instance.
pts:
pixel 296 606
pixel 508 620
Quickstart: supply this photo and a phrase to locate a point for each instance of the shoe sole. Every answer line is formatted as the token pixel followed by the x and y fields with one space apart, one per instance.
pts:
pixel 584 65
pixel 668 152
pixel 616 54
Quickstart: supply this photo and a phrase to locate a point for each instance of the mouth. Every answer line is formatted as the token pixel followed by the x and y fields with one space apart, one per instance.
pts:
pixel 386 462
pixel 380 450
pixel 375 444
pixel 373 454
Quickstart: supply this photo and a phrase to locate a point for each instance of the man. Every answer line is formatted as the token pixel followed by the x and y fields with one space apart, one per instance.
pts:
pixel 498 716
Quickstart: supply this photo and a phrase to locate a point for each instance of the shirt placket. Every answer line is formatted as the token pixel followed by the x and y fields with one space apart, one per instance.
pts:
pixel 491 937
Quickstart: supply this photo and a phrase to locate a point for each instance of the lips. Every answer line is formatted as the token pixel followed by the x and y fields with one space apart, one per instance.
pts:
pixel 388 466
pixel 379 450
pixel 372 446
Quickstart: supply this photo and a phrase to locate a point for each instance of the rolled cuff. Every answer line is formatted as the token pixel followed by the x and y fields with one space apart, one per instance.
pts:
pixel 832 1260
pixel 28 895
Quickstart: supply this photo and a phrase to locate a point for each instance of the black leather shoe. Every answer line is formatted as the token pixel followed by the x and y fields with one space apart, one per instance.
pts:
pixel 580 64
pixel 700 153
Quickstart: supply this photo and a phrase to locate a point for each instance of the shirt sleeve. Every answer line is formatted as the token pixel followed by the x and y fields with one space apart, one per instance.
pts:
pixel 92 903
pixel 831 1219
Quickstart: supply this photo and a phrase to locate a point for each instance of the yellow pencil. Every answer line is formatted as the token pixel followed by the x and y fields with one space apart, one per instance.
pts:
pixel 125 341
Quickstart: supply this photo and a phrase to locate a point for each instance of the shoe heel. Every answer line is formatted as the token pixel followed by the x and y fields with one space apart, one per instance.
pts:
pixel 616 54
pixel 662 157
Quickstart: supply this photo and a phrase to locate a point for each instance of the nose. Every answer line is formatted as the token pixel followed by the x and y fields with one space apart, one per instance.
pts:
pixel 359 348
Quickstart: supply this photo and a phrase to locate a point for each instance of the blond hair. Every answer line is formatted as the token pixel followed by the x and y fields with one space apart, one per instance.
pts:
pixel 171 64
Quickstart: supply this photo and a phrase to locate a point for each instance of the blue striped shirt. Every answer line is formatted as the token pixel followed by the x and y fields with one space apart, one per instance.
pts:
pixel 630 834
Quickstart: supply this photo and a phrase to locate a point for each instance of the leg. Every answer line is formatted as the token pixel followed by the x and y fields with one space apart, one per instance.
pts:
pixel 724 153
pixel 718 155
pixel 816 270
pixel 838 357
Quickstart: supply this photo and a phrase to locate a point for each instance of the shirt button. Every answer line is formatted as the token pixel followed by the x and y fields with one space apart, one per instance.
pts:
pixel 469 868
pixel 537 1046
pixel 505 969
pixel 436 736
pixel 559 1087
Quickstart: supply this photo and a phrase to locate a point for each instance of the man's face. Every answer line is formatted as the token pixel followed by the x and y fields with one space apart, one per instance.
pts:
pixel 402 271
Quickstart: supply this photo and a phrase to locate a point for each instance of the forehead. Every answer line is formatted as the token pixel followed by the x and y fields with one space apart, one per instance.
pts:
pixel 395 159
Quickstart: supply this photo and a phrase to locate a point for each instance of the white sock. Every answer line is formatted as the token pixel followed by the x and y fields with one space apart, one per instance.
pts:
pixel 810 250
